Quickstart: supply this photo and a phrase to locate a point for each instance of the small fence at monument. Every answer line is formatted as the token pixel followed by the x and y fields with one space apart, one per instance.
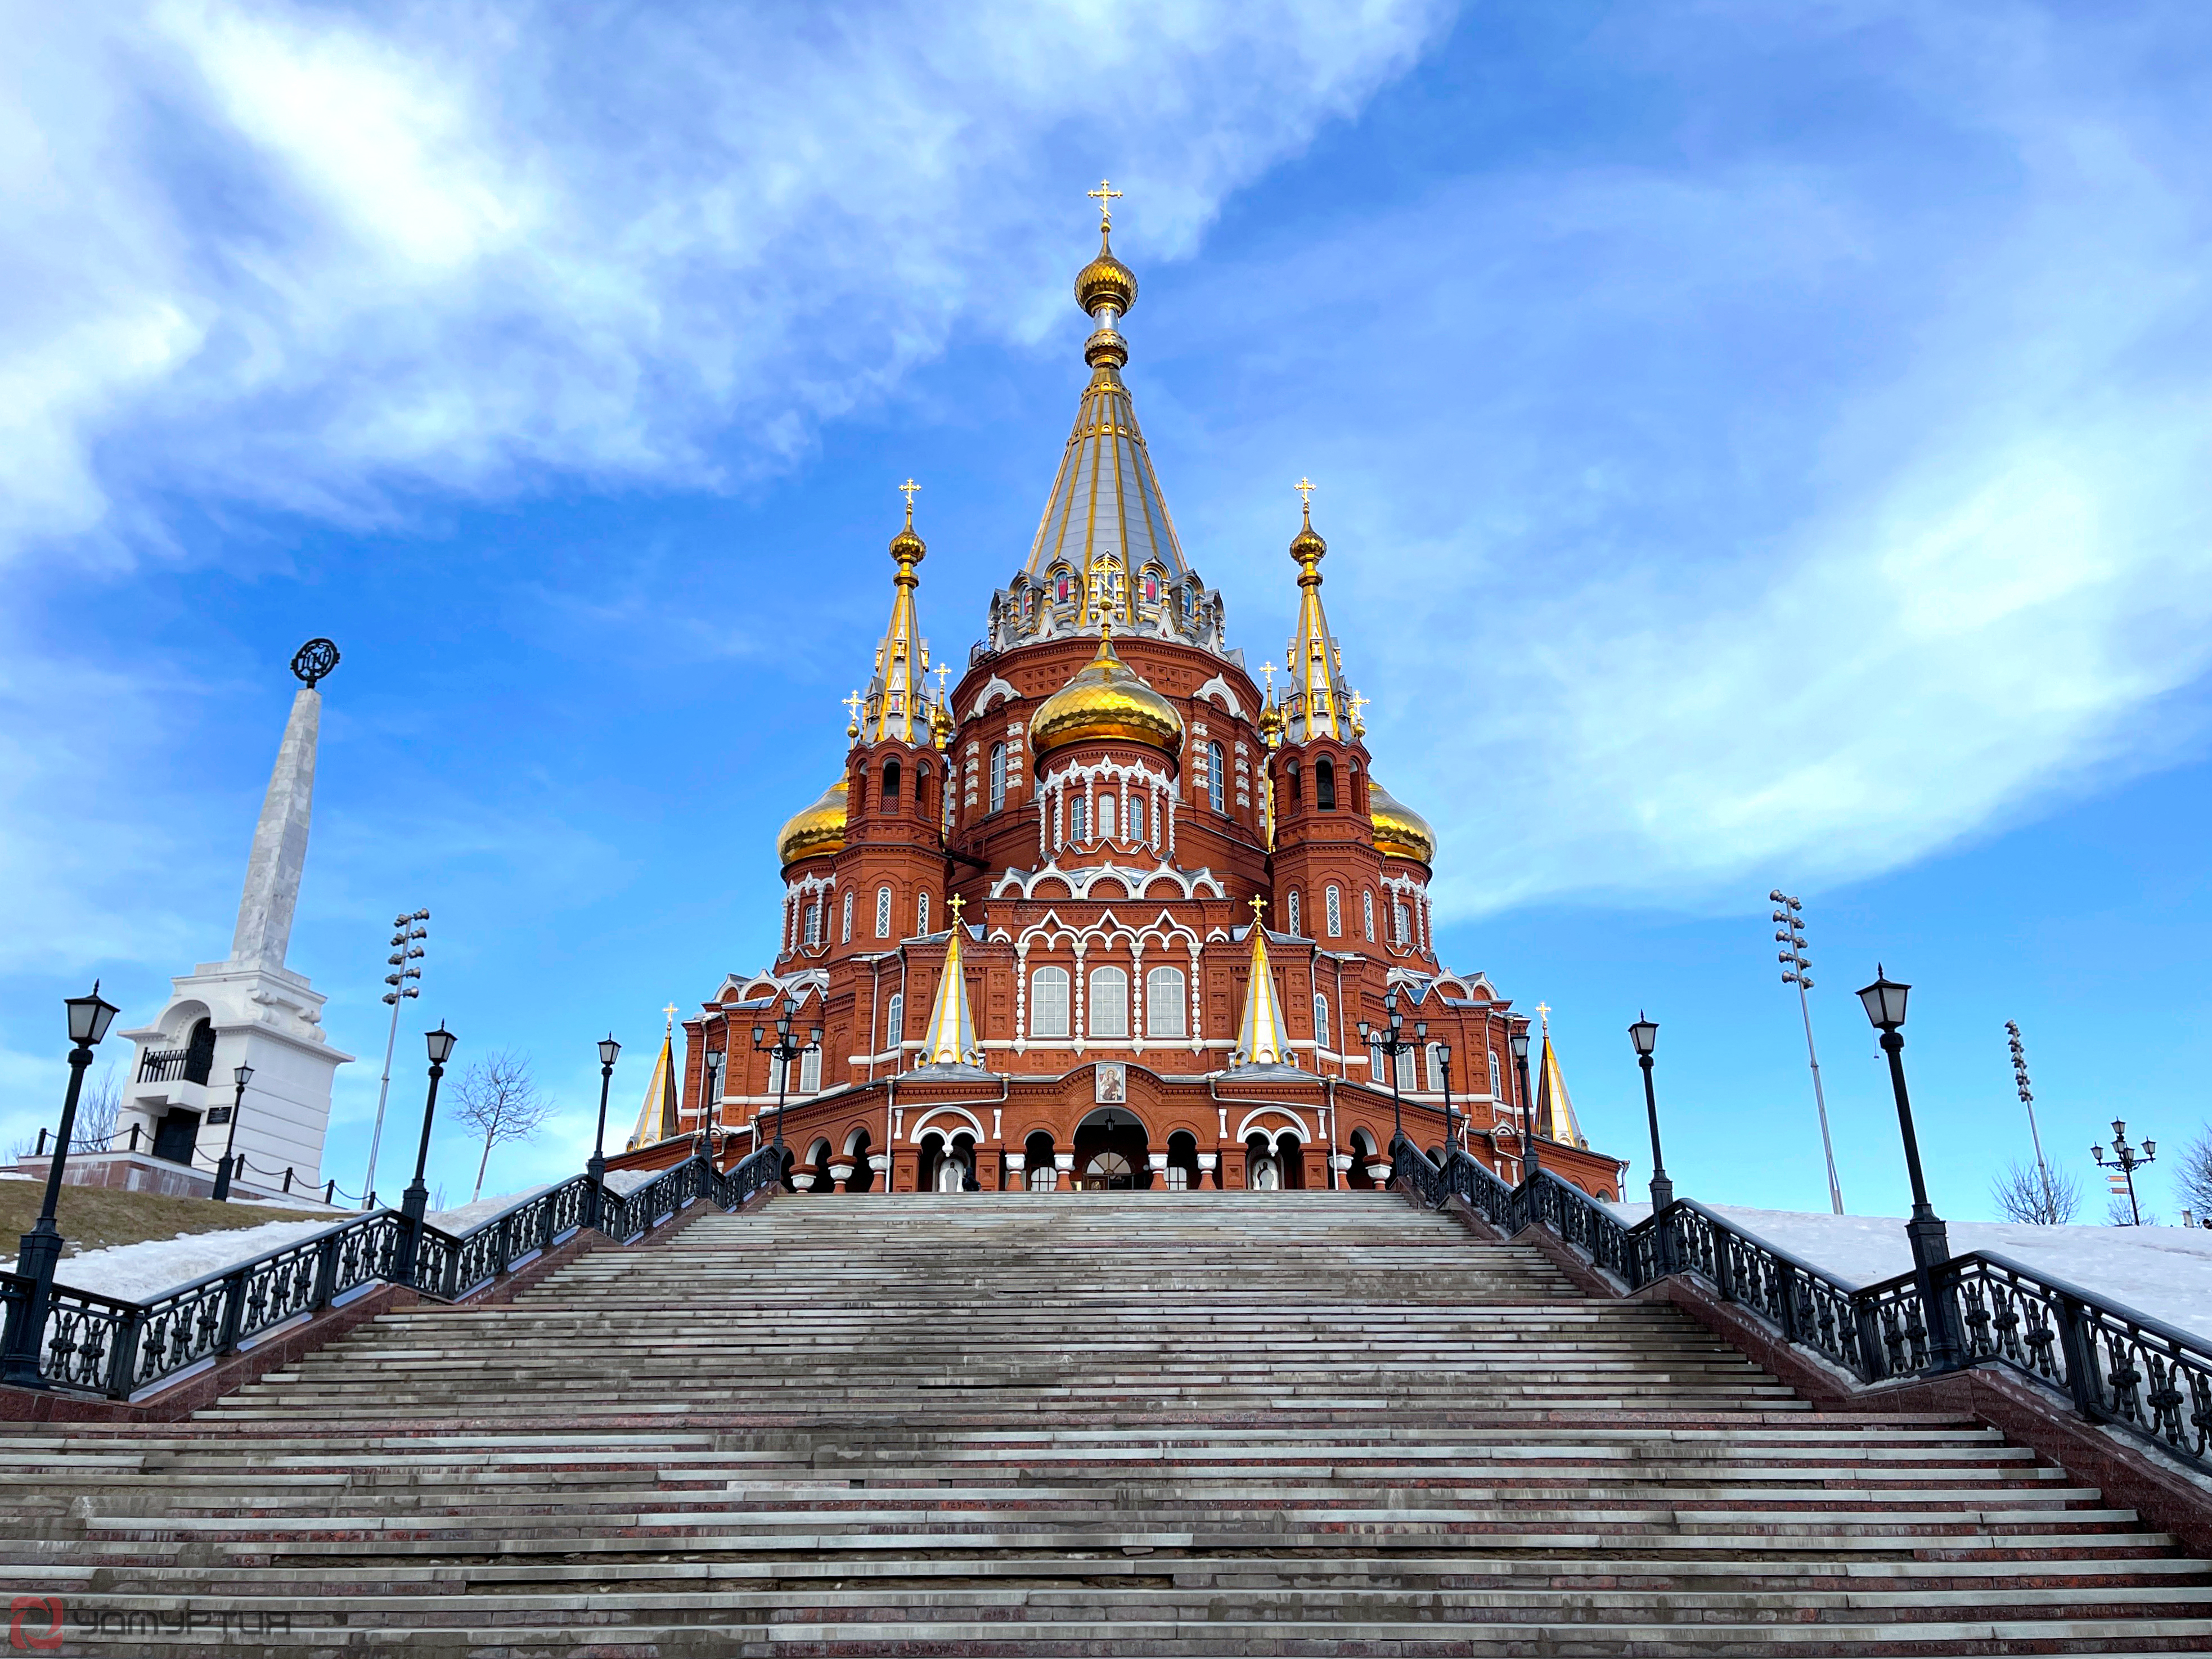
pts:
pixel 2118 1366
pixel 119 1348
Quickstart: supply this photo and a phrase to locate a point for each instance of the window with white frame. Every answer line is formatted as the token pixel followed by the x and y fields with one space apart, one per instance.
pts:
pixel 1217 776
pixel 882 913
pixel 1435 1056
pixel 998 776
pixel 1178 1178
pixel 1335 897
pixel 1406 1077
pixel 1291 908
pixel 1079 818
pixel 1106 1012
pixel 1043 1178
pixel 1164 1014
pixel 813 921
pixel 1107 816
pixel 1367 909
pixel 1320 1020
pixel 809 1070
pixel 1375 1063
pixel 1398 925
pixel 922 912
pixel 895 1019
pixel 1496 1093
pixel 845 933
pixel 1048 1002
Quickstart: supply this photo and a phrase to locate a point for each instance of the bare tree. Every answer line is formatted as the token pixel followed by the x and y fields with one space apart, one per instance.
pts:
pixel 96 1109
pixel 2121 1214
pixel 2192 1180
pixel 2023 1194
pixel 500 1098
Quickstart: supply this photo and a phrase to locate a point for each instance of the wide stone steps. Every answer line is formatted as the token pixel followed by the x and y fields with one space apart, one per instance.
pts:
pixel 1140 1423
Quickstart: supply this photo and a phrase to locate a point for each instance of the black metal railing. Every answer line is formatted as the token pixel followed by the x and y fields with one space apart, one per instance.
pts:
pixel 117 1347
pixel 2116 1365
pixel 162 1066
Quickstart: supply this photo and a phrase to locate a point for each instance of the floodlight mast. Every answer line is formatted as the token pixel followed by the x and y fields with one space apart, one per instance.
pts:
pixel 1790 934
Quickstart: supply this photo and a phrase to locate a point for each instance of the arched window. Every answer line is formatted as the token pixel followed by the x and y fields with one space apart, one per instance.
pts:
pixel 1320 1020
pixel 921 913
pixel 845 933
pixel 1163 1003
pixel 1156 823
pixel 1367 910
pixel 1152 586
pixel 895 1023
pixel 1374 1064
pixel 882 913
pixel 922 790
pixel 1398 925
pixel 1106 817
pixel 1048 1002
pixel 1106 1014
pixel 1217 776
pixel 998 776
pixel 1324 783
pixel 1434 1054
pixel 1078 817
pixel 1297 780
pixel 1408 1078
pixel 1063 588
pixel 1335 910
pixel 809 1070
pixel 1291 909
pixel 1496 1091
pixel 890 786
pixel 813 921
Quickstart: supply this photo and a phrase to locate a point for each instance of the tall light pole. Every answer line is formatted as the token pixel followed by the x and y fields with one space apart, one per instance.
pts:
pixel 2028 1099
pixel 2127 1160
pixel 1518 1038
pixel 785 1048
pixel 416 1199
pixel 41 1248
pixel 407 932
pixel 243 1075
pixel 597 1169
pixel 1645 1035
pixel 1451 1118
pixel 1394 1043
pixel 1930 1239
pixel 1790 934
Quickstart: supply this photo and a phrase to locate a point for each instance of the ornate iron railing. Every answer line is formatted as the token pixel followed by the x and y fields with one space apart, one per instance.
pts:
pixel 2116 1365
pixel 162 1066
pixel 117 1347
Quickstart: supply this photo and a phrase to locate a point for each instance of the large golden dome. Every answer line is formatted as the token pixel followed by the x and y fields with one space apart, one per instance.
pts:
pixel 1105 281
pixel 1107 699
pixel 1399 831
pixel 820 828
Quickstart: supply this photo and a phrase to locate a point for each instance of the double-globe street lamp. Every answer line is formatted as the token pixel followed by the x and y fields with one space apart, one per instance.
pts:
pixel 785 1048
pixel 90 1018
pixel 227 1168
pixel 1394 1043
pixel 608 1050
pixel 2127 1160
pixel 1884 1000
pixel 416 1199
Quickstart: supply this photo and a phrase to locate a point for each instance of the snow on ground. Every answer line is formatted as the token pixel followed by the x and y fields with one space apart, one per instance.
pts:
pixel 627 1181
pixel 137 1273
pixel 2165 1272
pixel 479 1210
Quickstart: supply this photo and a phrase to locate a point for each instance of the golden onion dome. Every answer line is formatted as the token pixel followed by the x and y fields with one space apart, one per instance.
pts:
pixel 1105 281
pixel 820 828
pixel 1399 831
pixel 1307 544
pixel 906 547
pixel 1107 699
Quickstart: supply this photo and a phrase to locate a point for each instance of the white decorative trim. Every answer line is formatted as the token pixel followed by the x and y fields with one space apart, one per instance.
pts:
pixel 1252 1120
pixel 914 1129
pixel 1218 688
pixel 994 689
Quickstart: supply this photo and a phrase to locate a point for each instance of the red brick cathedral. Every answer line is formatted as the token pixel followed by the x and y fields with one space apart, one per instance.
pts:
pixel 1109 912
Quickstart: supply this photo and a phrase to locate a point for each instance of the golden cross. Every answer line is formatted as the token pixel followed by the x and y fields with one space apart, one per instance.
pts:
pixel 1258 905
pixel 959 905
pixel 1267 669
pixel 1105 195
pixel 671 1012
pixel 907 490
pixel 853 703
pixel 1358 702
pixel 943 669
pixel 1544 1013
pixel 1305 488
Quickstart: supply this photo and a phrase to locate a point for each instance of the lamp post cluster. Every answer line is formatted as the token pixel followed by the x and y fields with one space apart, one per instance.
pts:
pixel 2127 1160
pixel 785 1049
pixel 1392 1041
pixel 1789 935
pixel 2028 1099
pixel 407 949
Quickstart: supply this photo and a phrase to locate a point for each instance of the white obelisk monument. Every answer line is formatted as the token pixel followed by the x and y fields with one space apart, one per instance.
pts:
pixel 249 1011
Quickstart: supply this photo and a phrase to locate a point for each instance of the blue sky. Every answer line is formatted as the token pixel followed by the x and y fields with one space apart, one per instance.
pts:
pixel 1758 444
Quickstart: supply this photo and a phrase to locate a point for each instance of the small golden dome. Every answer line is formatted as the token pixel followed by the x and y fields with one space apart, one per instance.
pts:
pixel 1107 699
pixel 1399 831
pixel 906 547
pixel 820 828
pixel 1307 544
pixel 1105 281
pixel 1271 724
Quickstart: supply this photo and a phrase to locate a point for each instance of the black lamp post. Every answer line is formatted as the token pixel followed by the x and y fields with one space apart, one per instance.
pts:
pixel 41 1248
pixel 1519 1039
pixel 786 1049
pixel 416 1199
pixel 1451 1118
pixel 1931 1241
pixel 223 1170
pixel 1644 1034
pixel 2127 1160
pixel 597 1169
pixel 1394 1043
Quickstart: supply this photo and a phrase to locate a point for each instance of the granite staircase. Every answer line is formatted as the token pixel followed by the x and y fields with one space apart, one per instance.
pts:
pixel 1282 1423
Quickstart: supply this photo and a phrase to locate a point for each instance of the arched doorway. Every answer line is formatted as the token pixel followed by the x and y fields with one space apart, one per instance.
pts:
pixel 863 1178
pixel 1182 1162
pixel 1110 1151
pixel 1040 1176
pixel 1262 1173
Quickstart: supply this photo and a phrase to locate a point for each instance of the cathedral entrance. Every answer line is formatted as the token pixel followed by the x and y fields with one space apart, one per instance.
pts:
pixel 1110 1151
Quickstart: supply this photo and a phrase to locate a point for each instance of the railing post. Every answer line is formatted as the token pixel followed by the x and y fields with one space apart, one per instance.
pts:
pixel 1723 1267
pixel 1785 1293
pixel 234 1308
pixel 2075 1342
pixel 41 1152
pixel 122 1357
pixel 331 1190
pixel 134 1136
pixel 288 1177
pixel 1874 1360
pixel 326 1272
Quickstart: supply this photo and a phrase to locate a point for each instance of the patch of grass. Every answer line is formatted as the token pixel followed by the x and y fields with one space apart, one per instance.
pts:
pixel 94 1218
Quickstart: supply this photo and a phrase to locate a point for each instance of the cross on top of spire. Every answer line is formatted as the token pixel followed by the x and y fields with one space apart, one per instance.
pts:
pixel 907 490
pixel 959 905
pixel 671 1012
pixel 1105 195
pixel 1258 905
pixel 1305 486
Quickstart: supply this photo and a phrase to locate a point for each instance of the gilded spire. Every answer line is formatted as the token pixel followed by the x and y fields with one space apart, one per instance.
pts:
pixel 1316 702
pixel 1263 1040
pixel 951 1039
pixel 898 701
pixel 1555 1112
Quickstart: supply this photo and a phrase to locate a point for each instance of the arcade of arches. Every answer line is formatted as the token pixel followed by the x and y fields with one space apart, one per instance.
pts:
pixel 1101 909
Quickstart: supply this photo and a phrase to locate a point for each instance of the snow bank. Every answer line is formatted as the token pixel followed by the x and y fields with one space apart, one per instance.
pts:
pixel 482 1210
pixel 627 1181
pixel 2165 1272
pixel 137 1272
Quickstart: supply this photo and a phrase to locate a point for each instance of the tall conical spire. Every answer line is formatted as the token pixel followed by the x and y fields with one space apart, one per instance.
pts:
pixel 1555 1112
pixel 951 1038
pixel 1262 1041
pixel 896 704
pixel 1106 520
pixel 1316 702
pixel 279 839
pixel 658 1114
